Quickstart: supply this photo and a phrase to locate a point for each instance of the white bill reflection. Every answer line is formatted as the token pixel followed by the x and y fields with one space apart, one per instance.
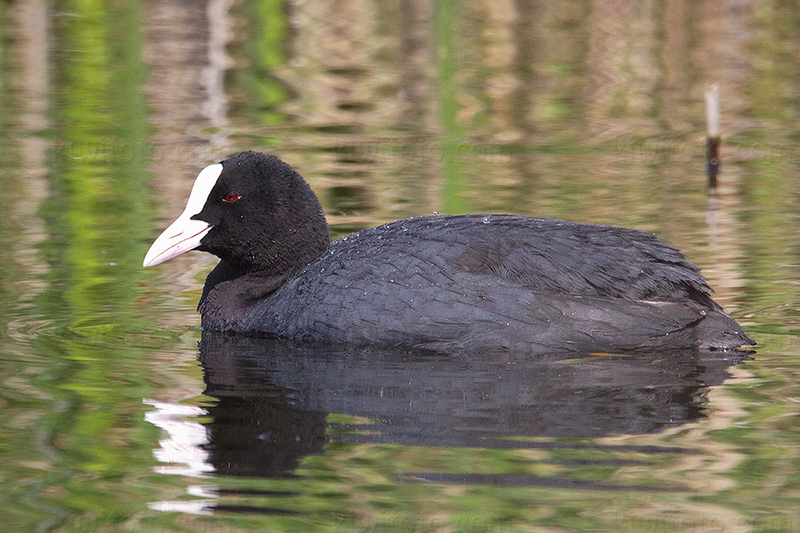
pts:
pixel 183 453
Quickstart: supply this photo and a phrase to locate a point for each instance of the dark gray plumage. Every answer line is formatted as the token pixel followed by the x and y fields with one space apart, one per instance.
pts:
pixel 464 283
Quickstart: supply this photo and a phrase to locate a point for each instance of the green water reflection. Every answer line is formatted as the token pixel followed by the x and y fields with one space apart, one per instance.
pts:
pixel 587 111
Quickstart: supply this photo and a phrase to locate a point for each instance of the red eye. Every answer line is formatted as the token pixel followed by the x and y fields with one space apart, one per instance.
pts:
pixel 231 197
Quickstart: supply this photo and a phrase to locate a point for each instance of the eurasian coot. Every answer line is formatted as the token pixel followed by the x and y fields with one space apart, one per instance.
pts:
pixel 476 283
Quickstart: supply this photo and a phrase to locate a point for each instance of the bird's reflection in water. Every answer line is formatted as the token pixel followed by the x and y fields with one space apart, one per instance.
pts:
pixel 274 398
pixel 273 401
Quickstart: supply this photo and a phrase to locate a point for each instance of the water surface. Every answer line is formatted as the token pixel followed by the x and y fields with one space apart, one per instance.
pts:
pixel 117 413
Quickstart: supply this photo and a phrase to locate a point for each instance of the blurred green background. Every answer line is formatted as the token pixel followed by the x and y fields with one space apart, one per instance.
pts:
pixel 590 111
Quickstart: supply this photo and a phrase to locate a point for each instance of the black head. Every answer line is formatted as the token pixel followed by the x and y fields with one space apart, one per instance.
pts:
pixel 259 215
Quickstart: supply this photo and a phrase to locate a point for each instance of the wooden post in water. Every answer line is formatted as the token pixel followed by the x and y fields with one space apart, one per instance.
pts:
pixel 713 163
